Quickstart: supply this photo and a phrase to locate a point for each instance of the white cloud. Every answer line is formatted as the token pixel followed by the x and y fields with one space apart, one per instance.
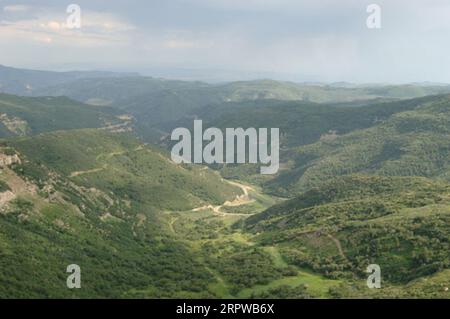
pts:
pixel 50 27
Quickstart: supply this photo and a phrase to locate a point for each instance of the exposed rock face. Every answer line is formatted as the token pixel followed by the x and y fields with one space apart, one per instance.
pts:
pixel 8 160
pixel 6 197
pixel 15 125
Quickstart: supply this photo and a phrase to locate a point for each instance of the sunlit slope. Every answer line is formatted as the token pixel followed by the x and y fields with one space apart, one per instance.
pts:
pixel 96 199
pixel 338 229
pixel 122 165
pixel 33 115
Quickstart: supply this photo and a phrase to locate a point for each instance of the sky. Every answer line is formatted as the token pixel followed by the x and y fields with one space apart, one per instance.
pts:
pixel 297 40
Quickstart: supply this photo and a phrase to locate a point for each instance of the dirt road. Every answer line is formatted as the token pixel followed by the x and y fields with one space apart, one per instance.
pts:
pixel 238 201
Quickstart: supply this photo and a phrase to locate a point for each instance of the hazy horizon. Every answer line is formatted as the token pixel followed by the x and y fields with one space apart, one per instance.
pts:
pixel 193 76
pixel 219 41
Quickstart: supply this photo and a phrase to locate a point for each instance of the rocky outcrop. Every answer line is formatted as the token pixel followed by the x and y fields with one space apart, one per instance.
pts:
pixel 8 160
pixel 6 197
pixel 15 125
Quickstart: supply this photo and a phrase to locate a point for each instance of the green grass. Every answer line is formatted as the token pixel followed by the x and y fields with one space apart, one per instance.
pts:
pixel 317 285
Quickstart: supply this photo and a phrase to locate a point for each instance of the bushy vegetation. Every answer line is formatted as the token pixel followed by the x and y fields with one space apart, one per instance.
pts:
pixel 4 187
pixel 107 222
pixel 160 105
pixel 26 115
pixel 408 143
pixel 366 181
pixel 399 223
pixel 120 165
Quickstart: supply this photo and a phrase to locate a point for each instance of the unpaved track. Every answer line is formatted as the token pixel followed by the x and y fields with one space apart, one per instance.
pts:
pixel 171 223
pixel 238 201
pixel 338 245
pixel 105 166
pixel 89 171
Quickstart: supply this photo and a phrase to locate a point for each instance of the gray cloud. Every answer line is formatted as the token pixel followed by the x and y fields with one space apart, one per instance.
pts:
pixel 323 40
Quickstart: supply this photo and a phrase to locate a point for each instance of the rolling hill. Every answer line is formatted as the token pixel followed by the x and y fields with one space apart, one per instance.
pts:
pixel 364 179
pixel 33 115
pixel 158 103
pixel 410 143
pixel 97 199
pixel 27 82
pixel 400 223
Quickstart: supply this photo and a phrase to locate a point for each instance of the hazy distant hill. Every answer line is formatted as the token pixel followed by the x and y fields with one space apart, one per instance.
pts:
pixel 157 103
pixel 27 82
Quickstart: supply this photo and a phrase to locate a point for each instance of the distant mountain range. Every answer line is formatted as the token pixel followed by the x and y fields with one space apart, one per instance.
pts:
pixel 27 82
pixel 157 103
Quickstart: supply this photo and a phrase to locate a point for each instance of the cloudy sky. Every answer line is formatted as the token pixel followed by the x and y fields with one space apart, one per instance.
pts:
pixel 302 40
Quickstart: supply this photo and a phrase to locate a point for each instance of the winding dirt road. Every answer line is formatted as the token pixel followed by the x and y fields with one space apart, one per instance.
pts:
pixel 338 245
pixel 238 201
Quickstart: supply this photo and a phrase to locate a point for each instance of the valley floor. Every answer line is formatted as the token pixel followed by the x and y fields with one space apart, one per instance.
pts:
pixel 210 226
pixel 211 230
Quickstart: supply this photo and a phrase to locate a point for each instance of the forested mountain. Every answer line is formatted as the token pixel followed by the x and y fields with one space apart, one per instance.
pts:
pixel 32 115
pixel 97 199
pixel 341 227
pixel 364 179
pixel 158 103
pixel 410 143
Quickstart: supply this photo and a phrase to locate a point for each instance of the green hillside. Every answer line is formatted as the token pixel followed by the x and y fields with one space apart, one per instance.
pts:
pixel 303 123
pixel 97 199
pixel 122 165
pixel 33 115
pixel 158 104
pixel 409 143
pixel 361 182
pixel 400 223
